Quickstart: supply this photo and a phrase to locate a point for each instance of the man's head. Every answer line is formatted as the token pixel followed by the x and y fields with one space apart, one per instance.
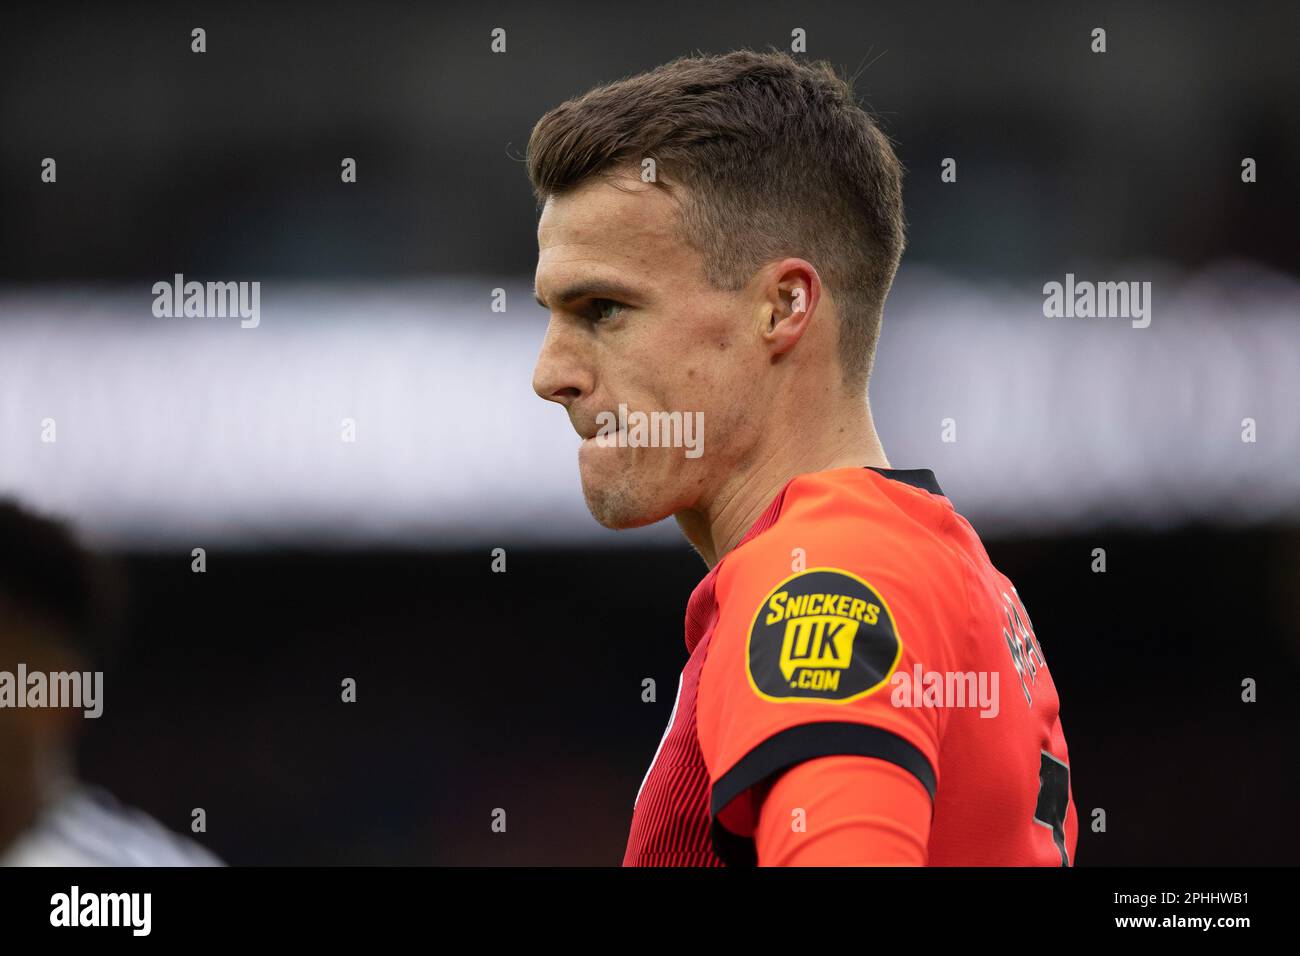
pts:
pixel 717 236
pixel 57 602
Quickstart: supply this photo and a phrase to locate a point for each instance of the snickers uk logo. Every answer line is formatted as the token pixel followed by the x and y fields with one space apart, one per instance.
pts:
pixel 822 635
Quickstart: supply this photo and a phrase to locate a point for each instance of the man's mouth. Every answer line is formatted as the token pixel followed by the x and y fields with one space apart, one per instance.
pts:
pixel 588 432
pixel 603 437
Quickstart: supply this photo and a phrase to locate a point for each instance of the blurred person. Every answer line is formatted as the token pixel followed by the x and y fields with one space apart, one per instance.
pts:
pixel 716 241
pixel 55 597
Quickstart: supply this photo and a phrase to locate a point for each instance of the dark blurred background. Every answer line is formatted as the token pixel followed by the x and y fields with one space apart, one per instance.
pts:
pixel 522 690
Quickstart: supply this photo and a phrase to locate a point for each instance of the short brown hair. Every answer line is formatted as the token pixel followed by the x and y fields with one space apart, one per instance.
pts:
pixel 778 159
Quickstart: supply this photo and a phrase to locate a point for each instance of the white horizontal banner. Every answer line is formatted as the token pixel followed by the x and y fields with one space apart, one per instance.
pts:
pixel 149 428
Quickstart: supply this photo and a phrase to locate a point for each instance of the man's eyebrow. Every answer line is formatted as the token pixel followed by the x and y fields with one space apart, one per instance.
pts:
pixel 592 288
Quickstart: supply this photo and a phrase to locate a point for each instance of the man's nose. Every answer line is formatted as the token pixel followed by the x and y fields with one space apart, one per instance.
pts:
pixel 560 375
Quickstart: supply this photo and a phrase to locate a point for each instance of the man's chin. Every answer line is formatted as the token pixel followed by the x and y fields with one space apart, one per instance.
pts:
pixel 620 511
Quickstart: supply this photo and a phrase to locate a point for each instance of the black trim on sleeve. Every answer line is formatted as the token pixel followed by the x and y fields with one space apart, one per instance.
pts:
pixel 793 746
pixel 916 477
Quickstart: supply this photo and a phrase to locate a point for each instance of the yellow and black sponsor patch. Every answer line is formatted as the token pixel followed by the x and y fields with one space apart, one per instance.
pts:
pixel 822 634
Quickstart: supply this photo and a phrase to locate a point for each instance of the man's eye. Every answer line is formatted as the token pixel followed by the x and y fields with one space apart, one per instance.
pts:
pixel 604 309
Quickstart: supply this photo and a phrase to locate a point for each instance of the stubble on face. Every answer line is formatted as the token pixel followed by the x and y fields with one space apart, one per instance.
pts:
pixel 618 503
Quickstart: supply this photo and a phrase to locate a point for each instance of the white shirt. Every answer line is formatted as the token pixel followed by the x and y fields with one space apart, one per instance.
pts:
pixel 87 826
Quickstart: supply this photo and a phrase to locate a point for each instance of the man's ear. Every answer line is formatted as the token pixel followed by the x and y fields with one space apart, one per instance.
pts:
pixel 791 294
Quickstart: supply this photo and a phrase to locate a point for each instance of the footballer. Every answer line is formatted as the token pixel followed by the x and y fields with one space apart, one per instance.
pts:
pixel 717 238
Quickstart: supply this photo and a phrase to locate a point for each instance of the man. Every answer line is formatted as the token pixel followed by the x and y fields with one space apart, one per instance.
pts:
pixel 718 236
pixel 54 597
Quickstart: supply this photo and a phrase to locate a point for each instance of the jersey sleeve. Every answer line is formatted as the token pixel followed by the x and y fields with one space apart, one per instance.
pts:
pixel 821 662
pixel 843 811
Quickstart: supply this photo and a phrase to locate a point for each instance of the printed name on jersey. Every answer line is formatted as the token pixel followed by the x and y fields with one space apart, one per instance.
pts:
pixel 821 635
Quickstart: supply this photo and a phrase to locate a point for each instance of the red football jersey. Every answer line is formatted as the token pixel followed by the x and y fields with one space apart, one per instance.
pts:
pixel 860 617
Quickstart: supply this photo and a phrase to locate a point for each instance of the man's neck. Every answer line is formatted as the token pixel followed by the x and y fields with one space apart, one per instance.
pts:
pixel 717 529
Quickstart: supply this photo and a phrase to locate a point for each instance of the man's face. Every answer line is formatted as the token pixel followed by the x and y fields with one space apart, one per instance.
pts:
pixel 31 739
pixel 634 323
